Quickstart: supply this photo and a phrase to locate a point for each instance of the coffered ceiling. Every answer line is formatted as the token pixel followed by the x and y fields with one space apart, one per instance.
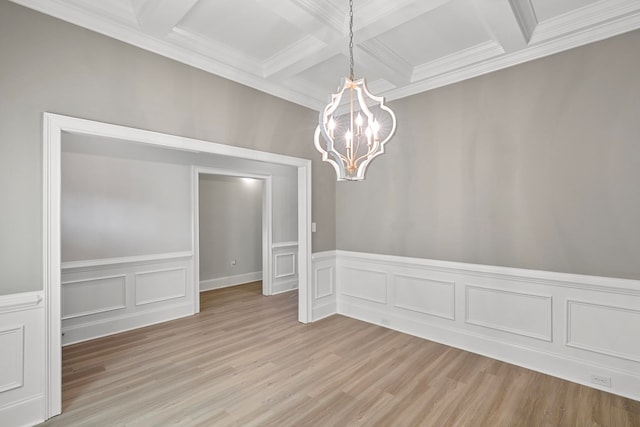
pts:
pixel 298 49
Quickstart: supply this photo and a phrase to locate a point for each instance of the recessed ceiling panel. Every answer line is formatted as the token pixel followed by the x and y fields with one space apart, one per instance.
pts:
pixel 244 25
pixel 327 75
pixel 297 49
pixel 546 9
pixel 443 31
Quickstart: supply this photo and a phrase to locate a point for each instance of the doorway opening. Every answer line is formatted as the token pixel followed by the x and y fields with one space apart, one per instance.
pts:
pixel 232 229
pixel 54 128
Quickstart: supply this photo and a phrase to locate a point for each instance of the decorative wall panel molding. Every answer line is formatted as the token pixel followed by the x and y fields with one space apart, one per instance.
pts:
pixel 285 264
pixel 285 267
pixel 19 302
pixel 160 285
pixel 99 298
pixel 514 312
pixel 604 329
pixel 22 359
pixel 537 319
pixel 364 284
pixel 301 61
pixel 323 266
pixel 428 296
pixel 93 296
pixel 11 357
pixel 324 283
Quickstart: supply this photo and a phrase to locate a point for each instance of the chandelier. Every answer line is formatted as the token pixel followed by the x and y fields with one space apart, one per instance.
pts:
pixel 354 127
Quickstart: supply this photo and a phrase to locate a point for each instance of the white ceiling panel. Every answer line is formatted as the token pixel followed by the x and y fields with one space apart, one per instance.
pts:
pixel 296 49
pixel 244 25
pixel 546 9
pixel 432 35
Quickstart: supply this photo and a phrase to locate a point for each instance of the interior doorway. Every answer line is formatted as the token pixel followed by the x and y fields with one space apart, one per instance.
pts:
pixel 54 127
pixel 223 228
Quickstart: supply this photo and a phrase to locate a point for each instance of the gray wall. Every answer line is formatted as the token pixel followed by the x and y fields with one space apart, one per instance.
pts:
pixel 535 166
pixel 50 65
pixel 230 226
pixel 118 207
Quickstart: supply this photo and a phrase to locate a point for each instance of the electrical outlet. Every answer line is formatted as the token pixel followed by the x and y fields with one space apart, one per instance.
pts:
pixel 602 380
pixel 233 262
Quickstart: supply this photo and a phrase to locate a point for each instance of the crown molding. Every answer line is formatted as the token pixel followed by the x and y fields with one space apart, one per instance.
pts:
pixel 279 75
pixel 537 51
pixel 474 54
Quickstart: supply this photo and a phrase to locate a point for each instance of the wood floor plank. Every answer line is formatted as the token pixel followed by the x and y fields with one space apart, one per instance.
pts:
pixel 245 360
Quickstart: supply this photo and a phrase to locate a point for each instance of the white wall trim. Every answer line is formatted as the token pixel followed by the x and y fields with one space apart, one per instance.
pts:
pixel 126 322
pixel 324 284
pixel 576 281
pixel 19 302
pixel 284 245
pixel 123 293
pixel 546 336
pixel 18 372
pixel 24 412
pixel 572 342
pixel 179 294
pixel 536 319
pixel 292 270
pixel 53 127
pixel 92 264
pixel 228 281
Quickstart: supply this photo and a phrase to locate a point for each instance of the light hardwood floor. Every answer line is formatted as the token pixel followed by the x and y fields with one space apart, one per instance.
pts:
pixel 246 361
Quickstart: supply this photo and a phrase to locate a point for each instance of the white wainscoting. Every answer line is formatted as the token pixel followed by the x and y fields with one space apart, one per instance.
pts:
pixel 107 296
pixel 323 266
pixel 569 326
pixel 228 281
pixel 22 359
pixel 285 267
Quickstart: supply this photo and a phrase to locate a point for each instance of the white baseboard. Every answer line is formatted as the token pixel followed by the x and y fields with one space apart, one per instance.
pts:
pixel 321 311
pixel 24 413
pixel 278 288
pixel 226 282
pixel 113 325
pixel 565 325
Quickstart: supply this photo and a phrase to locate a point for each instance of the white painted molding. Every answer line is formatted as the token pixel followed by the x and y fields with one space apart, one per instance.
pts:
pixel 534 51
pixel 546 315
pixel 284 245
pixel 474 54
pixel 93 264
pixel 53 127
pixel 21 301
pixel 228 281
pixel 593 14
pixel 536 319
pixel 291 271
pixel 577 281
pixel 103 327
pixel 285 286
pixel 632 318
pixel 282 74
pixel 24 412
pixel 12 356
pixel 324 285
pixel 69 285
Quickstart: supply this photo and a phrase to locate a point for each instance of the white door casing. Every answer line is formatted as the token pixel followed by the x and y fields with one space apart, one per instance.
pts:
pixel 53 127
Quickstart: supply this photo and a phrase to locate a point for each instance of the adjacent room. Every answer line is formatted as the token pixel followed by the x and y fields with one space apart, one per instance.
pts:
pixel 190 234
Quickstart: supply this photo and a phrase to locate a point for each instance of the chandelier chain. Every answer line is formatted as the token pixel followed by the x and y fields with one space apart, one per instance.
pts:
pixel 351 40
